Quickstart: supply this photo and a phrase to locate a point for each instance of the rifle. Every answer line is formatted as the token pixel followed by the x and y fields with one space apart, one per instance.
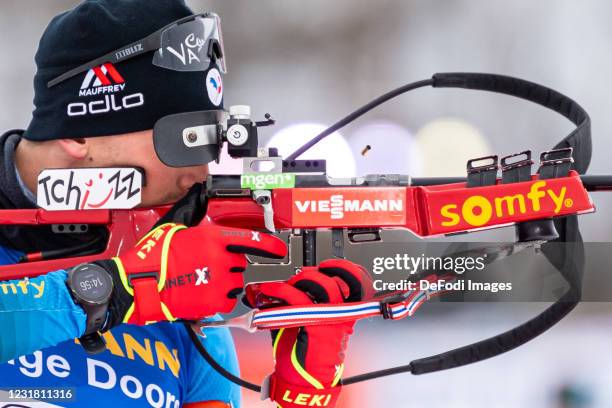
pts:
pixel 297 196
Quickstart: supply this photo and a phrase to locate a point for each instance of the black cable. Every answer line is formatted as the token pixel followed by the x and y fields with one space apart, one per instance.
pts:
pixel 254 387
pixel 359 112
pixel 377 374
pixel 83 249
pixel 216 366
pixel 472 353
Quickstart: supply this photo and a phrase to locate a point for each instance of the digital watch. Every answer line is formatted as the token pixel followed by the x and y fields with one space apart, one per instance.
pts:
pixel 91 287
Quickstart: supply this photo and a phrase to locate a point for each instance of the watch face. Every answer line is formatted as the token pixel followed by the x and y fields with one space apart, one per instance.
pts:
pixel 91 283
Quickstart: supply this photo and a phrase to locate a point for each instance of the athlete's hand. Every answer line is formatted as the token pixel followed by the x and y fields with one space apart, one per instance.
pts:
pixel 309 361
pixel 188 273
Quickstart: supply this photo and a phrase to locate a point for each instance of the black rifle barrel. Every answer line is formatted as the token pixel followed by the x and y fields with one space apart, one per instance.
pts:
pixel 230 185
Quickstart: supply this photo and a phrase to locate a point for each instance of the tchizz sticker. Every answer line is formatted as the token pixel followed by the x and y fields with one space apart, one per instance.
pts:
pixel 89 188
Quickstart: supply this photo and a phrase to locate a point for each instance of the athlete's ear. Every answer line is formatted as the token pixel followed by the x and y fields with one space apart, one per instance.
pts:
pixel 77 149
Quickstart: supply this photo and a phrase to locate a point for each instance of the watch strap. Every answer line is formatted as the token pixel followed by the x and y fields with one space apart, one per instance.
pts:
pixel 93 343
pixel 96 317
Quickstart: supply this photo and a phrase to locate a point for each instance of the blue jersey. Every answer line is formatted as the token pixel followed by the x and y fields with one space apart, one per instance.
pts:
pixel 144 366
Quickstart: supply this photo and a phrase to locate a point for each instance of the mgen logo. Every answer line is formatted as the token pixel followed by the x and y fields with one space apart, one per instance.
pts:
pixel 103 79
pixel 349 206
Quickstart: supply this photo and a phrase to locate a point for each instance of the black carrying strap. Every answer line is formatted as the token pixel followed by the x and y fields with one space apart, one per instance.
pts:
pixel 579 139
pixel 566 253
pixel 568 258
pixel 499 344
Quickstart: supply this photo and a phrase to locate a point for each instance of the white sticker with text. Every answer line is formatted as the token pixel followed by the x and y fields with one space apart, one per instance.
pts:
pixel 89 188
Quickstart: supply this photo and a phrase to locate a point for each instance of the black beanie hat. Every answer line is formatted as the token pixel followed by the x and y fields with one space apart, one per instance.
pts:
pixel 115 98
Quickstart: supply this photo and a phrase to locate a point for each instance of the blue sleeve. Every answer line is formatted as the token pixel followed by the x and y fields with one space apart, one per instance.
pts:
pixel 37 313
pixel 205 384
pixel 9 256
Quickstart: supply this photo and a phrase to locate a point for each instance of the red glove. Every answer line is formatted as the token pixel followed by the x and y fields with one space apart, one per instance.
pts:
pixel 189 273
pixel 309 361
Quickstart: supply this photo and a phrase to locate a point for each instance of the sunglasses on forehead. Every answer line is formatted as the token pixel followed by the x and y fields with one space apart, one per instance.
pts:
pixel 191 43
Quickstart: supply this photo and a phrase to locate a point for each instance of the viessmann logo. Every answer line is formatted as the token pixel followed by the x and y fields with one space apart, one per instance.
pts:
pixel 337 206
pixel 359 206
pixel 478 210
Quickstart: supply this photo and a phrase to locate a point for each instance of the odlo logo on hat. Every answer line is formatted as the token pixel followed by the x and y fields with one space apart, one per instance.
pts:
pixel 104 80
